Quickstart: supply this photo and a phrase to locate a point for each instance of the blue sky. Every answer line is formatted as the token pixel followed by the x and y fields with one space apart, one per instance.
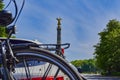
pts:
pixel 82 20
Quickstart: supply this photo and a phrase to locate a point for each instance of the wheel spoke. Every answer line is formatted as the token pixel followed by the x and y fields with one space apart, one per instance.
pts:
pixel 26 69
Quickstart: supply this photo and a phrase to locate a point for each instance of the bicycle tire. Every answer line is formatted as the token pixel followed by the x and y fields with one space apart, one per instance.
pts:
pixel 46 56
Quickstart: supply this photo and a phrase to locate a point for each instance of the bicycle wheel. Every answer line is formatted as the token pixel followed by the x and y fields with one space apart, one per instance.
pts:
pixel 38 64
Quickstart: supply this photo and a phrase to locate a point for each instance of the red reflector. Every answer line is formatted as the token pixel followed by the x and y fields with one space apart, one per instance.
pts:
pixel 62 50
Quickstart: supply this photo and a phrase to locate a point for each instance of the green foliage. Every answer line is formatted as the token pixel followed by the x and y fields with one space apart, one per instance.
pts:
pixel 77 63
pixel 2 32
pixel 1 5
pixel 2 29
pixel 86 65
pixel 107 51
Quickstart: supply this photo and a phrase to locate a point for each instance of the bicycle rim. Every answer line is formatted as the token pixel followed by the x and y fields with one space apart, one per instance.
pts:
pixel 38 64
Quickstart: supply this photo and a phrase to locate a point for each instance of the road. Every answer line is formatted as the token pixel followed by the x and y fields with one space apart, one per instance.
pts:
pixel 99 77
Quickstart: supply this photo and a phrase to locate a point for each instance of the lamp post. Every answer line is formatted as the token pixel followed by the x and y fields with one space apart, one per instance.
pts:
pixel 58 47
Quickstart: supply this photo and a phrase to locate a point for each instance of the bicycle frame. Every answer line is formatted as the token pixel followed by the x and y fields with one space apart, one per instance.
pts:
pixel 9 51
pixel 7 55
pixel 8 58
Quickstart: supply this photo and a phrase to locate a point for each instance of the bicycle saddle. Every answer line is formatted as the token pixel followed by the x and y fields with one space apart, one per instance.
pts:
pixel 5 18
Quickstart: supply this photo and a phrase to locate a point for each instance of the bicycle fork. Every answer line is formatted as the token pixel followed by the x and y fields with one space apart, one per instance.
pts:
pixel 8 61
pixel 4 70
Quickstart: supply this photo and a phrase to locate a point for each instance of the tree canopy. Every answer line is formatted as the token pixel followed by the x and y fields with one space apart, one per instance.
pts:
pixel 87 66
pixel 107 51
pixel 2 29
pixel 1 5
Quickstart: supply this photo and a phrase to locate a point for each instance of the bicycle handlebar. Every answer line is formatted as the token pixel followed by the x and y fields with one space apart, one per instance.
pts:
pixel 6 17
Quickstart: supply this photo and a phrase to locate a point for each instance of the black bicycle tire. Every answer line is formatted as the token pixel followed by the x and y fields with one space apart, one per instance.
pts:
pixel 57 60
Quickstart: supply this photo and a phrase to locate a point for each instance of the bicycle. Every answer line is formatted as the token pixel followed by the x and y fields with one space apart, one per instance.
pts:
pixel 20 57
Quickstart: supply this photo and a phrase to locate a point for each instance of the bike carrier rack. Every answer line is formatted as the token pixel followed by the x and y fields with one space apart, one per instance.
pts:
pixel 52 47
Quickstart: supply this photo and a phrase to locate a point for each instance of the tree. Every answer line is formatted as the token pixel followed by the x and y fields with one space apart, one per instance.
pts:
pixel 107 51
pixel 2 29
pixel 77 63
pixel 1 5
pixel 86 65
